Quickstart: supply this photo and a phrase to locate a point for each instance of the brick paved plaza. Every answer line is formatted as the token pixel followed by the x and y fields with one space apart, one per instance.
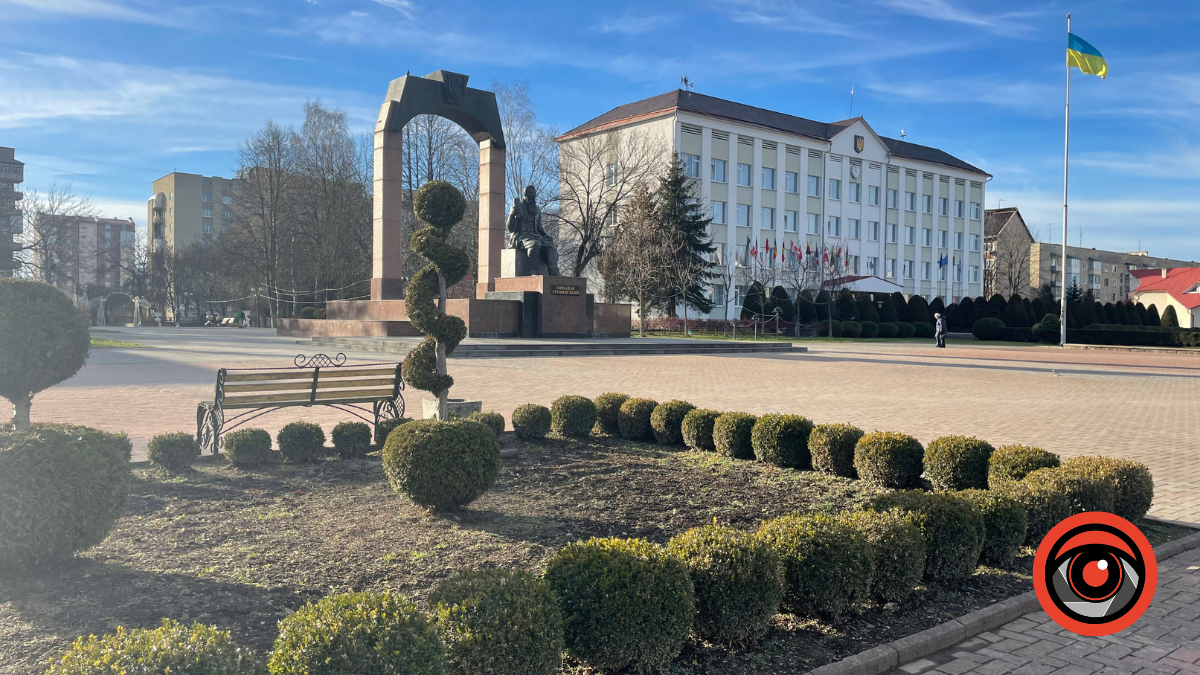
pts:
pixel 1142 406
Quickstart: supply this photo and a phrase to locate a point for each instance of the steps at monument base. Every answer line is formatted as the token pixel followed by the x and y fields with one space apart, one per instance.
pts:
pixel 530 348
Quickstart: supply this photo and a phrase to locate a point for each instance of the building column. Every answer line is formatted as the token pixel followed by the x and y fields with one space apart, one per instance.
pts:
pixel 491 215
pixel 780 204
pixel 731 224
pixel 756 196
pixel 387 251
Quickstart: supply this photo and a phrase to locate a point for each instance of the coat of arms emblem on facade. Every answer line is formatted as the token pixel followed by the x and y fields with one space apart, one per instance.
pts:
pixel 859 142
pixel 455 86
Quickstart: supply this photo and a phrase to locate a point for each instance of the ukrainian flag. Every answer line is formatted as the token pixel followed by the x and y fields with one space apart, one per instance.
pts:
pixel 1085 57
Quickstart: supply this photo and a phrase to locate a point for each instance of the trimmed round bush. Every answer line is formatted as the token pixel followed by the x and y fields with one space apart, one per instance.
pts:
pixel 870 329
pixel 531 421
pixel 667 421
pixel 957 463
pixel 889 459
pixel 498 621
pixel 697 428
pixel 491 420
pixel 952 527
pixel 832 448
pixel 172 648
pixel 1014 462
pixel 308 313
pixel 608 412
pixel 174 451
pixel 732 435
pixel 899 552
pixel 738 580
pixel 627 603
pixel 301 442
pixel 829 328
pixel 351 439
pixel 358 634
pixel 634 419
pixel 851 329
pixel 1045 507
pixel 905 329
pixel 442 465
pixel 827 564
pixel 62 489
pixel 1132 484
pixel 1085 492
pixel 782 440
pixel 572 415
pixel 989 329
pixel 888 329
pixel 247 447
pixel 1004 524
pixel 924 330
pixel 385 427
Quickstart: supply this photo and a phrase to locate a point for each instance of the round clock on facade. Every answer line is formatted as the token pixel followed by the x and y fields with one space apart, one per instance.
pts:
pixel 855 170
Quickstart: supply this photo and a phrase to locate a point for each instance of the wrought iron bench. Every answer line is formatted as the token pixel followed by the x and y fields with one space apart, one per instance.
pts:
pixel 319 380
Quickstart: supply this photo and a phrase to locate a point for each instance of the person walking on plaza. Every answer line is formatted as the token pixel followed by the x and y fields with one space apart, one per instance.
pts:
pixel 240 320
pixel 940 330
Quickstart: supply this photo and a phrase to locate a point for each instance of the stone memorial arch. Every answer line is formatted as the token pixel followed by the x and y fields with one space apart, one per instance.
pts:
pixel 447 95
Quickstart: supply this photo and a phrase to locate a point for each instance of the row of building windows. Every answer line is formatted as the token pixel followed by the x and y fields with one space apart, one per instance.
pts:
pixel 226 199
pixel 946 271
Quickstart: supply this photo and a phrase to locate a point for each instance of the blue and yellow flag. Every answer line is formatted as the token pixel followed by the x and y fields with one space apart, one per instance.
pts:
pixel 1085 57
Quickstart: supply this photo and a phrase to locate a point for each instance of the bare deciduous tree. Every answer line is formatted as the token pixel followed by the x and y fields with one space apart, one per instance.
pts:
pixel 530 155
pixel 634 265
pixel 44 253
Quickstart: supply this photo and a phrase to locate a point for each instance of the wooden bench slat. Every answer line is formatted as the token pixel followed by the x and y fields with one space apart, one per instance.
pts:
pixel 321 397
pixel 306 385
pixel 304 402
pixel 306 373
pixel 357 372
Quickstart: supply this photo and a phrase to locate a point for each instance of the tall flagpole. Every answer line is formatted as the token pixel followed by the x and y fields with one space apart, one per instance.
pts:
pixel 1066 159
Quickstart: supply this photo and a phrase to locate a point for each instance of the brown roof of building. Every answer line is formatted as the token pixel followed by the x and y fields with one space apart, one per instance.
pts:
pixel 994 220
pixel 739 112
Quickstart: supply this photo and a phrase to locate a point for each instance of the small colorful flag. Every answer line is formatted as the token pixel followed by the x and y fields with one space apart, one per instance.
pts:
pixel 1085 57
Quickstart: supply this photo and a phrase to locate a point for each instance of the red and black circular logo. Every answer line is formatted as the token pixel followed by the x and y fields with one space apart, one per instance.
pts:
pixel 1095 573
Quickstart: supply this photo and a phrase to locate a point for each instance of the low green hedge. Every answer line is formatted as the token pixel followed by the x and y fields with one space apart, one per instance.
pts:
pixel 442 465
pixel 989 328
pixel 924 330
pixel 829 328
pixel 490 419
pixel 870 329
pixel 697 429
pixel 301 442
pixel 385 427
pixel 1014 462
pixel 628 603
pixel 851 329
pixel 667 421
pixel 247 447
pixel 170 649
pixel 351 439
pixel 899 552
pixel 498 621
pixel 1004 522
pixel 356 633
pixel 952 527
pixel 1045 507
pixel 905 329
pixel 832 448
pixel 782 440
pixel 531 421
pixel 889 459
pixel 738 580
pixel 1085 491
pixel 888 329
pixel 572 415
pixel 174 451
pixel 608 412
pixel 1132 484
pixel 828 564
pixel 633 419
pixel 732 435
pixel 957 463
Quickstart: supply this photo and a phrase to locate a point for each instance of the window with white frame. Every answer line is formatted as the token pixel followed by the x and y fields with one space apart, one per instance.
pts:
pixel 743 215
pixel 835 227
pixel 943 206
pixel 718 170
pixel 739 293
pixel 925 267
pixel 943 238
pixel 926 236
pixel 791 182
pixel 743 176
pixel 768 178
pixel 958 208
pixel 206 213
pixel 691 165
pixel 910 201
pixel 872 230
pixel 227 214
pixel 910 235
pixel 974 274
pixel 908 269
pixel 226 199
pixel 835 188
pixel 610 174
pixel 926 203
pixel 873 266
pixel 853 264
pixel 206 228
pixel 853 228
pixel 891 233
pixel 855 192
pixel 941 272
pixel 768 218
pixel 974 242
pixel 791 221
pixel 206 198
pixel 891 199
pixel 958 239
pixel 814 186
pixel 718 213
pixel 741 254
pixel 872 195
pixel 976 212
pixel 814 223
pixel 890 268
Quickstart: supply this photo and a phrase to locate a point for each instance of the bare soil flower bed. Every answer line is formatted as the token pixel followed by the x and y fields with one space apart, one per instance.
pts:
pixel 242 549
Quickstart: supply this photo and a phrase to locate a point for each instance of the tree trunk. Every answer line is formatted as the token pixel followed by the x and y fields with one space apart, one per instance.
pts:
pixel 20 418
pixel 642 316
pixel 441 351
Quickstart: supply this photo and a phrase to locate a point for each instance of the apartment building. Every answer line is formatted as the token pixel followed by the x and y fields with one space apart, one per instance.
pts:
pixel 1107 274
pixel 908 213
pixel 12 173
pixel 86 254
pixel 188 208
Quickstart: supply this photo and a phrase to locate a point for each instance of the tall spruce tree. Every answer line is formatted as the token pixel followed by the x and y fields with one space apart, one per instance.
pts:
pixel 680 209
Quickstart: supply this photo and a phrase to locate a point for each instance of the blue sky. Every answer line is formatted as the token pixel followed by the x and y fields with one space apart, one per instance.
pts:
pixel 112 94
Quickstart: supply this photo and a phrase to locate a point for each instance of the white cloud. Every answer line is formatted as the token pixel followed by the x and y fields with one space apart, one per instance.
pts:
pixel 1009 24
pixel 788 15
pixel 403 6
pixel 632 24
pixel 100 9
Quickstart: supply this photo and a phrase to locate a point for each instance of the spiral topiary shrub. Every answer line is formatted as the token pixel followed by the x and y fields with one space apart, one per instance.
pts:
pixel 1004 524
pixel 738 580
pixel 301 442
pixel 889 459
pixel 1045 507
pixel 782 440
pixel 174 451
pixel 358 633
pixel 246 448
pixel 491 420
pixel 386 427
pixel 62 489
pixel 442 465
pixel 351 439
pixel 531 421
pixel 832 448
pixel 667 421
pixel 634 419
pixel 732 435
pixel 957 463
pixel 899 552
pixel 1084 492
pixel 170 649
pixel 572 415
pixel 952 527
pixel 498 621
pixel 1132 484
pixel 697 429
pixel 608 412
pixel 627 603
pixel 827 564
pixel 1014 462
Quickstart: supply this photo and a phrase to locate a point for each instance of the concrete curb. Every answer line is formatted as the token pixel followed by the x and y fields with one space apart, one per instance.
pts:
pixel 885 657
pixel 1133 348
